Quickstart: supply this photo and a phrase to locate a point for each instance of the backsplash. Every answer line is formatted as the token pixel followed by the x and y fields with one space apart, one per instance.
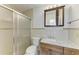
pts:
pixel 50 32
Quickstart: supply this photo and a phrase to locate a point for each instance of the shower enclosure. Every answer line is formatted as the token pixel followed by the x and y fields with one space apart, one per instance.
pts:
pixel 14 32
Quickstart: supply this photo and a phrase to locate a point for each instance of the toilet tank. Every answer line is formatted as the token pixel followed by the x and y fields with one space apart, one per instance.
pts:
pixel 35 41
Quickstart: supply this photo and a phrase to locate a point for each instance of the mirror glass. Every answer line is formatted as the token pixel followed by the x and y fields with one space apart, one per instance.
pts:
pixel 54 17
pixel 60 16
pixel 51 18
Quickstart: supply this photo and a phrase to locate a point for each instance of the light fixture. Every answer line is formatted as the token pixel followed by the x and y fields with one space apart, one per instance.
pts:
pixel 52 6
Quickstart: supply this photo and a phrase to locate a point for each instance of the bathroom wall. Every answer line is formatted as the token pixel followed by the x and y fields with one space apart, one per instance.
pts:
pixel 28 12
pixel 74 31
pixel 74 36
pixel 58 33
pixel 38 29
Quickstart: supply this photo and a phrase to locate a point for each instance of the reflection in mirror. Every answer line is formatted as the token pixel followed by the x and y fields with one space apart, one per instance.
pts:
pixel 51 18
pixel 60 16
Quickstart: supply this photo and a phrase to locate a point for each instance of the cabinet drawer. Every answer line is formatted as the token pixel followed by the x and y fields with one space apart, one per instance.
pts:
pixel 44 51
pixel 70 51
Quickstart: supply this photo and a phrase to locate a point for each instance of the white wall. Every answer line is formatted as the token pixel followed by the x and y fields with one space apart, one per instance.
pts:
pixel 38 28
pixel 74 32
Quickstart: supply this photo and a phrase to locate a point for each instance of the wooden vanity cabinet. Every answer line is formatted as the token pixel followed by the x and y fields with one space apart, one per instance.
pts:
pixel 70 51
pixel 47 49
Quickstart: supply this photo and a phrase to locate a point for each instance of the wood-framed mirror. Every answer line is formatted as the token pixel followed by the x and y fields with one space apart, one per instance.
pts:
pixel 54 17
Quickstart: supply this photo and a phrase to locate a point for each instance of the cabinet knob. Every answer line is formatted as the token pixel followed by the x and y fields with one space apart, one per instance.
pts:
pixel 72 52
pixel 50 52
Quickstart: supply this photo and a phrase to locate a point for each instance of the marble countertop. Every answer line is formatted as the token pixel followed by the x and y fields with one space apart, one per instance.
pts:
pixel 68 44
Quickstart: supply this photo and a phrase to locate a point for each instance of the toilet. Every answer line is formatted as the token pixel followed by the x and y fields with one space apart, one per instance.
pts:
pixel 33 49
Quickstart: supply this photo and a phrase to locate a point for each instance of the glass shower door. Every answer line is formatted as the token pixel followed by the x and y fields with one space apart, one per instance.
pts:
pixel 6 31
pixel 21 34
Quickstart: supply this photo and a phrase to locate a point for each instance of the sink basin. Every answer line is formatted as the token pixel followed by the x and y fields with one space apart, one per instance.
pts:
pixel 48 40
pixel 51 41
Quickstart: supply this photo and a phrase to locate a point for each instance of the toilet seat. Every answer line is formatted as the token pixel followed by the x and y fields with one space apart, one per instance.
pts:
pixel 31 50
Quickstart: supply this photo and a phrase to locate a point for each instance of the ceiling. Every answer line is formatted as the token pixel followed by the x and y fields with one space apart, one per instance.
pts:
pixel 23 7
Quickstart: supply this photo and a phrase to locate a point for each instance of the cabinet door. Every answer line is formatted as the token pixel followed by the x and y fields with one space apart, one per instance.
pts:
pixel 51 49
pixel 6 31
pixel 44 51
pixel 70 51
